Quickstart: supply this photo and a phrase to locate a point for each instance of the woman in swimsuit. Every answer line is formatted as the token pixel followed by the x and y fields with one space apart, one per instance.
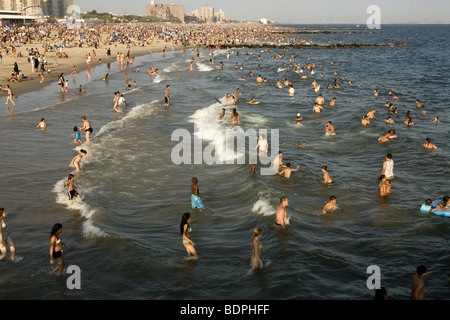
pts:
pixel 76 161
pixel 5 239
pixel 86 127
pixel 42 124
pixel 56 252
pixel 429 145
pixel 257 249
pixel 185 230
pixel 10 97
pixel 263 146
pixel 234 118
pixel 61 82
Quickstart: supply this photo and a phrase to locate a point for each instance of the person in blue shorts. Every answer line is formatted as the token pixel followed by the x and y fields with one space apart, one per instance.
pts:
pixel 196 198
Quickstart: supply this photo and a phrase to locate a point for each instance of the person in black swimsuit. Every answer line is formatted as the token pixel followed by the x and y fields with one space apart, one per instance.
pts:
pixel 56 251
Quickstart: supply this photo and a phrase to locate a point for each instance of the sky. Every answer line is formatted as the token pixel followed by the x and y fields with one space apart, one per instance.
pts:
pixel 296 11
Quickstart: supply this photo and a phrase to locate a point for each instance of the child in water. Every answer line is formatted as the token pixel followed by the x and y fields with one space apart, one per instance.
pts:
pixel 72 191
pixel 76 161
pixel 77 135
pixel 331 205
pixel 196 198
pixel 426 207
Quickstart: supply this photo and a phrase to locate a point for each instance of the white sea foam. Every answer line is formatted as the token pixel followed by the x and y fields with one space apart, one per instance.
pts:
pixel 160 78
pixel 202 67
pixel 142 110
pixel 263 206
pixel 209 128
pixel 177 66
pixel 85 210
pixel 94 148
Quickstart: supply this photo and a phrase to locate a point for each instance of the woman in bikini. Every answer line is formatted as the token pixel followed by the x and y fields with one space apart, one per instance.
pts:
pixel 235 117
pixel 257 249
pixel 9 98
pixel 185 230
pixel 56 252
pixel 76 161
pixel 263 146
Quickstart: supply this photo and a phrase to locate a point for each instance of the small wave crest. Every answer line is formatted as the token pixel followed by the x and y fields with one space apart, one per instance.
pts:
pixel 139 111
pixel 89 229
pixel 160 78
pixel 202 67
pixel 209 128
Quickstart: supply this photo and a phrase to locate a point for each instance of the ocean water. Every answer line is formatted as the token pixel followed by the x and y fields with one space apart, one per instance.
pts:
pixel 124 234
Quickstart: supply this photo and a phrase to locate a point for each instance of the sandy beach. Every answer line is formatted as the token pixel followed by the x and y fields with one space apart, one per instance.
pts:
pixel 76 57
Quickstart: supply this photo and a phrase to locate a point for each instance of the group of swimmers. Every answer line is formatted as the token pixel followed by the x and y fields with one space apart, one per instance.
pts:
pixel 197 199
pixel 439 205
pixel 387 174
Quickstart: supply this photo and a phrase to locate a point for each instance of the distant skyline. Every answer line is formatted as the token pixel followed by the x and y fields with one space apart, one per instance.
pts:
pixel 296 11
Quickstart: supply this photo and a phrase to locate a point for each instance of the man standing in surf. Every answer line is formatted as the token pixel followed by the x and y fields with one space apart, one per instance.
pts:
pixel 87 128
pixel 196 198
pixel 166 96
pixel 281 217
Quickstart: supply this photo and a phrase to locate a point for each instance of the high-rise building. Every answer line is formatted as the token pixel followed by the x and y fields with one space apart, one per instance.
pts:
pixel 159 11
pixel 176 11
pixel 220 16
pixel 57 8
pixel 11 5
pixel 207 14
pixel 32 8
pixel 165 12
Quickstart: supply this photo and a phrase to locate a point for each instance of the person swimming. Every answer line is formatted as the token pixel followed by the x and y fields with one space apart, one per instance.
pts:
pixel 329 128
pixel 235 117
pixel 222 114
pixel 428 145
pixel 42 124
pixel 389 120
pixel 326 176
pixel 426 206
pixel 252 101
pixel 365 121
pixel 330 206
pixel 299 118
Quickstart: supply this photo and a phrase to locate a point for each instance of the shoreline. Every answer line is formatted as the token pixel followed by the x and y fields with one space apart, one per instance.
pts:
pixel 76 57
